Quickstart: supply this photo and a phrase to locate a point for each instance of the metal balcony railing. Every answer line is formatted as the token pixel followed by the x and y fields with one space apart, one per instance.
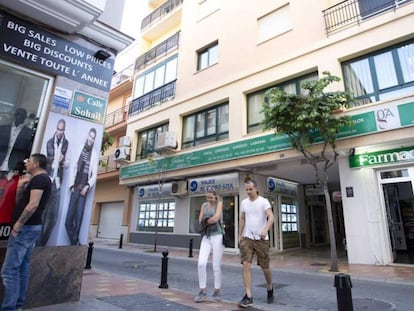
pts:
pixel 153 98
pixel 349 12
pixel 160 50
pixel 122 76
pixel 165 9
pixel 108 164
pixel 116 116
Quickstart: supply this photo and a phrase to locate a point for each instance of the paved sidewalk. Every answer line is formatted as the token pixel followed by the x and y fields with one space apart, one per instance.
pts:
pixel 110 292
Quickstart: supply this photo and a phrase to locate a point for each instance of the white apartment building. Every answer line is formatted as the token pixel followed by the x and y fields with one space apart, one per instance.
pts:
pixel 194 121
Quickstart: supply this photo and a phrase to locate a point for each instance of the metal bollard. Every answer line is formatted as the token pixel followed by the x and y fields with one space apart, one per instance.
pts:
pixel 89 256
pixel 120 240
pixel 190 249
pixel 164 270
pixel 343 292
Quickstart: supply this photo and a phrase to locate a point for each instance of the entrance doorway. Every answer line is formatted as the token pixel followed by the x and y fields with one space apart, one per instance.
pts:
pixel 399 205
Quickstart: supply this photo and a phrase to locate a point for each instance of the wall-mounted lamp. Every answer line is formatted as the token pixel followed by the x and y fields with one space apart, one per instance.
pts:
pixel 102 55
pixel 352 152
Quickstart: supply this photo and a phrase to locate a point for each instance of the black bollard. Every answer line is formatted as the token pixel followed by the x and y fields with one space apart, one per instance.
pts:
pixel 343 292
pixel 120 240
pixel 190 249
pixel 164 270
pixel 89 256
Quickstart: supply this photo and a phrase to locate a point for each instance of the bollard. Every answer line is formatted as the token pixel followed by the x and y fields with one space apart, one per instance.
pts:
pixel 89 256
pixel 343 292
pixel 190 249
pixel 120 240
pixel 164 270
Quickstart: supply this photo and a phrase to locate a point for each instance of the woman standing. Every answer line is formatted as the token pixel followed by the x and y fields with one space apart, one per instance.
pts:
pixel 212 241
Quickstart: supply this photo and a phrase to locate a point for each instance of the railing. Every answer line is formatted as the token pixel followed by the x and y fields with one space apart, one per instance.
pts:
pixel 151 99
pixel 122 76
pixel 116 117
pixel 107 164
pixel 161 49
pixel 159 13
pixel 354 11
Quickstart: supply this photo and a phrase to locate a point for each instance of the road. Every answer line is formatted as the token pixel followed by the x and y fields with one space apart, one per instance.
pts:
pixel 295 290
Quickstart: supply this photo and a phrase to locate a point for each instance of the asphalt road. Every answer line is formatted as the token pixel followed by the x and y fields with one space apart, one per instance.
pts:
pixel 295 291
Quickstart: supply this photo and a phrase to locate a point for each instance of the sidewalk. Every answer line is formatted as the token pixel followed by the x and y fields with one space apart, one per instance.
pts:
pixel 110 292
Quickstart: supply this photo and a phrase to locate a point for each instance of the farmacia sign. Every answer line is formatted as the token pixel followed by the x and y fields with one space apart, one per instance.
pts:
pixel 392 156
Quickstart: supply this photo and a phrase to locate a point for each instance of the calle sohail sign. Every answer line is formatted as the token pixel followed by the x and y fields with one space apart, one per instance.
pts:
pixel 392 156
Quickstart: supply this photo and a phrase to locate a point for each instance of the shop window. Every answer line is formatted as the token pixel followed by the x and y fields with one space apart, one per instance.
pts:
pixel 289 217
pixel 195 206
pixel 385 74
pixel 156 216
pixel 255 100
pixel 205 126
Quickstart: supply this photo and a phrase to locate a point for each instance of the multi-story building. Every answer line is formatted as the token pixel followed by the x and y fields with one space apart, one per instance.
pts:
pixel 194 121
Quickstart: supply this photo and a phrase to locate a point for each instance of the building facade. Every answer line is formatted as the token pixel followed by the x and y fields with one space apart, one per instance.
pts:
pixel 194 121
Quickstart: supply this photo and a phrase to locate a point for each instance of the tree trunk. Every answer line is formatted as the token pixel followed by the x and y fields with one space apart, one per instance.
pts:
pixel 332 239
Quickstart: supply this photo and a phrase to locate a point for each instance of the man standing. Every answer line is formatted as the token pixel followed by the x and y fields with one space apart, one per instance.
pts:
pixel 26 229
pixel 15 141
pixel 256 219
pixel 84 179
pixel 56 148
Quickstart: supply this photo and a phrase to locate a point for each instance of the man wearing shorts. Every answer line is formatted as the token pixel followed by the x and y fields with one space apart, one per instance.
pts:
pixel 256 219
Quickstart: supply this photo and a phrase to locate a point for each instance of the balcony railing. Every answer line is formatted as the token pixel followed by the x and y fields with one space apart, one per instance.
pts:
pixel 116 117
pixel 108 164
pixel 350 12
pixel 153 98
pixel 160 50
pixel 165 9
pixel 122 76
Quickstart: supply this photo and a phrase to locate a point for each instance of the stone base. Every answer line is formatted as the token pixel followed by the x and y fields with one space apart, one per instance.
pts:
pixel 55 275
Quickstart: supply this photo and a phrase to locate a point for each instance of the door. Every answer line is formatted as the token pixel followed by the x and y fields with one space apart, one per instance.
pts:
pixel 229 218
pixel 395 223
pixel 110 220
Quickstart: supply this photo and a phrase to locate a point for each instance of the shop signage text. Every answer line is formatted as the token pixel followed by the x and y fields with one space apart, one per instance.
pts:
pixel 382 157
pixel 154 191
pixel 280 186
pixel 27 44
pixel 88 107
pixel 221 184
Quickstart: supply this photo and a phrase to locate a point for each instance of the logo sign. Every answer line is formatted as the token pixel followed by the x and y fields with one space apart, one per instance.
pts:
pixel 280 186
pixel 35 47
pixel 88 107
pixel 387 118
pixel 153 191
pixel 221 184
pixel 382 157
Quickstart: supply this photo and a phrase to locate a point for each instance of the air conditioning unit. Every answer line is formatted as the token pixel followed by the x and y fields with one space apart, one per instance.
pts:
pixel 122 153
pixel 179 188
pixel 125 141
pixel 166 140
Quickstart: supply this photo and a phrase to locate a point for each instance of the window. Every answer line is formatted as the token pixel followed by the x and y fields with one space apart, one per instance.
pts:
pixel 160 215
pixel 147 140
pixel 207 56
pixel 156 77
pixel 384 74
pixel 208 125
pixel 274 24
pixel 255 100
pixel 207 7
pixel 289 215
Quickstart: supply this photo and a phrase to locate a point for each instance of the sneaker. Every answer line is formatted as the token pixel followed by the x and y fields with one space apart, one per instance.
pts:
pixel 216 296
pixel 270 296
pixel 202 296
pixel 245 302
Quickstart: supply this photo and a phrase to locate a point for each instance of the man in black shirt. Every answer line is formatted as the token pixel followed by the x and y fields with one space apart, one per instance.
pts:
pixel 26 229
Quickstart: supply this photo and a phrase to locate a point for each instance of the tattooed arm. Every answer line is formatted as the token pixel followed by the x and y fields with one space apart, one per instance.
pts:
pixel 35 196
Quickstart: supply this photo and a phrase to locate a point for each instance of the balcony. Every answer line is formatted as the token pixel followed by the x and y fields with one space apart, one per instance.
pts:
pixel 153 98
pixel 166 17
pixel 116 117
pixel 122 76
pixel 158 51
pixel 108 164
pixel 351 12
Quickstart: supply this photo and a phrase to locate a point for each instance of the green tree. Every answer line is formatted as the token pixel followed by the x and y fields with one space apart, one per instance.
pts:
pixel 311 120
pixel 107 141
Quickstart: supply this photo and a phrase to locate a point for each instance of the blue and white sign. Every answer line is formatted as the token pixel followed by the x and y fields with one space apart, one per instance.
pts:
pixel 280 186
pixel 153 191
pixel 221 184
